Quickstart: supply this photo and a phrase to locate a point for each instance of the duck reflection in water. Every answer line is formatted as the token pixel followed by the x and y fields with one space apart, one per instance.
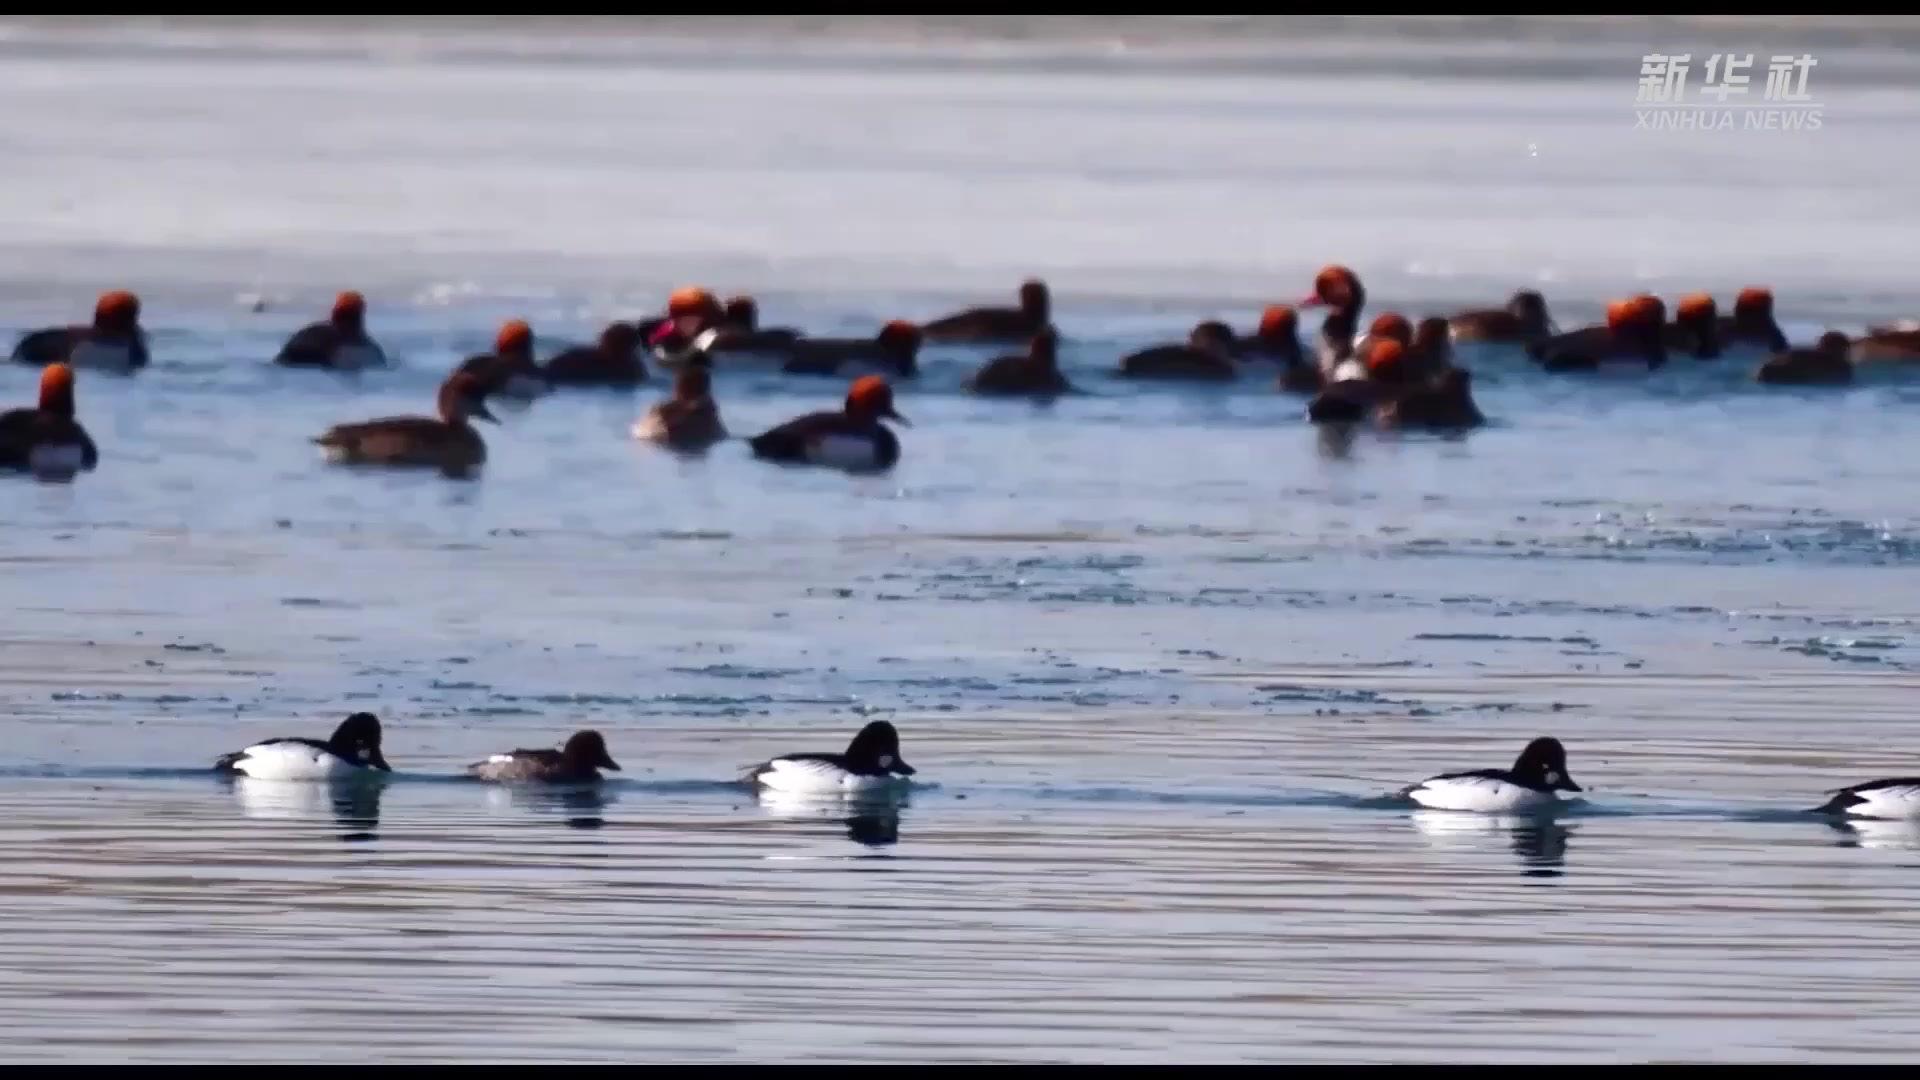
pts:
pixel 353 804
pixel 579 805
pixel 871 819
pixel 1538 840
pixel 1892 834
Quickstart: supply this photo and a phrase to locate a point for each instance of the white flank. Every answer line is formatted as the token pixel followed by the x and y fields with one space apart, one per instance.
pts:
pixel 357 356
pixel 294 761
pixel 1888 803
pixel 808 777
pixel 101 356
pixel 843 452
pixel 1479 794
pixel 56 459
pixel 650 428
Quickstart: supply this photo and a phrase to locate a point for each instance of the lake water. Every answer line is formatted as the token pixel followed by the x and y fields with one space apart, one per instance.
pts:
pixel 1157 652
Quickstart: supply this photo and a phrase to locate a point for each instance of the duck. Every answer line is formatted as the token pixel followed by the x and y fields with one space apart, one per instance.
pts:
pixel 1695 328
pixel 1635 333
pixel 577 762
pixel 1522 322
pixel 852 438
pixel 1828 363
pixel 509 370
pixel 448 442
pixel 689 420
pixel 341 342
pixel 997 325
pixel 740 327
pixel 895 350
pixel 1338 289
pixel 113 343
pixel 1034 373
pixel 871 764
pixel 1353 398
pixel 1888 800
pixel 1208 355
pixel 1752 321
pixel 354 750
pixel 614 360
pixel 47 440
pixel 1537 776
pixel 1444 403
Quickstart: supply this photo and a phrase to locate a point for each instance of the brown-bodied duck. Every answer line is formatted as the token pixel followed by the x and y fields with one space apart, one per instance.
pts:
pixel 894 351
pixel 579 761
pixel 1523 321
pixel 1208 355
pixel 447 442
pixel 997 325
pixel 689 420
pixel 1828 363
pixel 1034 373
pixel 613 360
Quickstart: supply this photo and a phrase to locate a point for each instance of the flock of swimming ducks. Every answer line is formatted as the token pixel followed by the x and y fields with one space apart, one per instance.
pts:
pixel 871 766
pixel 1397 373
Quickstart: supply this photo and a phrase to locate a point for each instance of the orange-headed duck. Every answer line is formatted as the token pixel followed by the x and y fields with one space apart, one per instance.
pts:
pixel 1442 403
pixel 1695 328
pixel 1752 321
pixel 689 420
pixel 115 342
pixel 614 360
pixel 695 319
pixel 1277 340
pixel 448 443
pixel 509 370
pixel 1523 321
pixel 1635 332
pixel 341 342
pixel 895 350
pixel 1034 373
pixel 48 440
pixel 1827 364
pixel 1387 326
pixel 1207 356
pixel 1339 290
pixel 853 438
pixel 992 325
pixel 1351 399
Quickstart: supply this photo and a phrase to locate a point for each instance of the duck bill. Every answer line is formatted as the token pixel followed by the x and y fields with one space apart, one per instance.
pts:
pixel 901 768
pixel 1566 784
pixel 378 760
pixel 1311 301
pixel 479 412
pixel 897 418
pixel 606 762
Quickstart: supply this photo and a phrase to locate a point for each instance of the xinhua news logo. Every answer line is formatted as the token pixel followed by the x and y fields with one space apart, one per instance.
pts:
pixel 1725 104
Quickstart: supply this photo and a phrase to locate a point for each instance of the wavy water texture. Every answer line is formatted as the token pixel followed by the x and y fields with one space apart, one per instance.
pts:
pixel 1161 655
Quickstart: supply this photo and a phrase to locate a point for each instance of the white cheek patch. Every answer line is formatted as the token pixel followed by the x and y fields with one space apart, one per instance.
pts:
pixel 886 761
pixel 366 754
pixel 1553 777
